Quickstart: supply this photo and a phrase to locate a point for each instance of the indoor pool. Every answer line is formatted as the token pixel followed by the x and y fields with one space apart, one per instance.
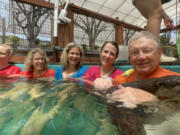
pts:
pixel 39 107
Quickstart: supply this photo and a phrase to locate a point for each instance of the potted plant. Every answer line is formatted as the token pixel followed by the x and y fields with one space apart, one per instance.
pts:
pixel 84 46
pixel 96 47
pixel 13 41
pixel 37 41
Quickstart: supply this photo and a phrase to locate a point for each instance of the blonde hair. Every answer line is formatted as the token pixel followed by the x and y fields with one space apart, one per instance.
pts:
pixel 29 59
pixel 8 48
pixel 64 56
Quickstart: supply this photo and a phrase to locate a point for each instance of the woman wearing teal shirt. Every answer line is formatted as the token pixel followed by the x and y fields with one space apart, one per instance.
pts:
pixel 71 61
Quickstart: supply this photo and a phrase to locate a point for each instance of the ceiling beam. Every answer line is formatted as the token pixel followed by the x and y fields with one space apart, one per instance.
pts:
pixel 170 29
pixel 83 11
pixel 96 15
pixel 41 3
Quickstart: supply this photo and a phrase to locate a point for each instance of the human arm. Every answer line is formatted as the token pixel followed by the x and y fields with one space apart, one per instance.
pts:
pixel 125 94
pixel 131 95
pixel 11 71
pixel 167 20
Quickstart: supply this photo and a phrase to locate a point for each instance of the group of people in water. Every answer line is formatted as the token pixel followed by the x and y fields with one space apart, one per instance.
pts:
pixel 36 63
pixel 144 55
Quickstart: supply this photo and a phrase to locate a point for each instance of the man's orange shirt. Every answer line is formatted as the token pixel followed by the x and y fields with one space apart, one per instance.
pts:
pixel 160 72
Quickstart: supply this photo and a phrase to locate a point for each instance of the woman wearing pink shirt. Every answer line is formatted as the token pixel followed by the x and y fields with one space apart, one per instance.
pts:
pixel 108 54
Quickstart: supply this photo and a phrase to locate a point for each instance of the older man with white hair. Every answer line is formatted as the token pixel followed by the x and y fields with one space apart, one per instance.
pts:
pixel 145 54
pixel 7 70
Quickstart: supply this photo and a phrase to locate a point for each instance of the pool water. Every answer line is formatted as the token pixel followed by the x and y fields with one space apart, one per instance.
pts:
pixel 32 107
pixel 39 107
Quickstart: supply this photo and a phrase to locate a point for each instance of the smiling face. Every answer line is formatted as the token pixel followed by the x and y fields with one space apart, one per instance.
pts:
pixel 144 56
pixel 38 62
pixel 74 56
pixel 108 55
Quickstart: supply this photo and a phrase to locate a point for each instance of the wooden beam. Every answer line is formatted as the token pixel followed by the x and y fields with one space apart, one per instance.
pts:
pixel 3 30
pixel 83 11
pixel 119 34
pixel 99 16
pixel 66 31
pixel 41 3
pixel 170 29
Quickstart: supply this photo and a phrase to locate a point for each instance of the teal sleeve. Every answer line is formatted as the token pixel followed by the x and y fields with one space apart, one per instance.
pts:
pixel 80 72
pixel 58 74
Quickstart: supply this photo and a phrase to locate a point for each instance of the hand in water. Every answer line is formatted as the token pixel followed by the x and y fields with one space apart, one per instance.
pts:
pixel 131 95
pixel 102 83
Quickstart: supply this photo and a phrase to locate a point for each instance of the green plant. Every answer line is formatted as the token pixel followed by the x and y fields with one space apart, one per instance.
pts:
pixel 37 41
pixel 96 47
pixel 14 40
pixel 49 43
pixel 84 46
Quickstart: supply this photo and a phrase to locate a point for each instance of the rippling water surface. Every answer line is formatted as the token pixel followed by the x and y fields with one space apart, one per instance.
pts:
pixel 34 107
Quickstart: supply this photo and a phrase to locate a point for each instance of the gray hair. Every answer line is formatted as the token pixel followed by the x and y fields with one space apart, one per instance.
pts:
pixel 8 48
pixel 64 56
pixel 146 35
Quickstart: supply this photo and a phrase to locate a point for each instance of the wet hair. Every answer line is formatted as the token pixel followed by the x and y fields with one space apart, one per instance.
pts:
pixel 64 57
pixel 145 34
pixel 113 43
pixel 8 48
pixel 29 59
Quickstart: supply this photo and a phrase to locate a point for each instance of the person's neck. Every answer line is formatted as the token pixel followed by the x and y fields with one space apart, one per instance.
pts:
pixel 2 66
pixel 71 69
pixel 106 70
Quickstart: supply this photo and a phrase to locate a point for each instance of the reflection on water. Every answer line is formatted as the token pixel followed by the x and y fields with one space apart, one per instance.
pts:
pixel 65 108
pixel 166 120
pixel 43 108
pixel 167 127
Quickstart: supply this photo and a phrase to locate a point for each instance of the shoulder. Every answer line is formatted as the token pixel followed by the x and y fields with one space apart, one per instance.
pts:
pixel 118 71
pixel 59 70
pixel 50 71
pixel 95 68
pixel 161 72
pixel 125 77
pixel 58 73
pixel 83 68
pixel 81 71
pixel 14 67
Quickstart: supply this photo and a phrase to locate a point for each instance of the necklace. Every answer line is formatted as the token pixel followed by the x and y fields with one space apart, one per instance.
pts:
pixel 108 73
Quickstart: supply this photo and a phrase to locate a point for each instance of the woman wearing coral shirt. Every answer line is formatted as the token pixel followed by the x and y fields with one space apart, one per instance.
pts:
pixel 36 65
